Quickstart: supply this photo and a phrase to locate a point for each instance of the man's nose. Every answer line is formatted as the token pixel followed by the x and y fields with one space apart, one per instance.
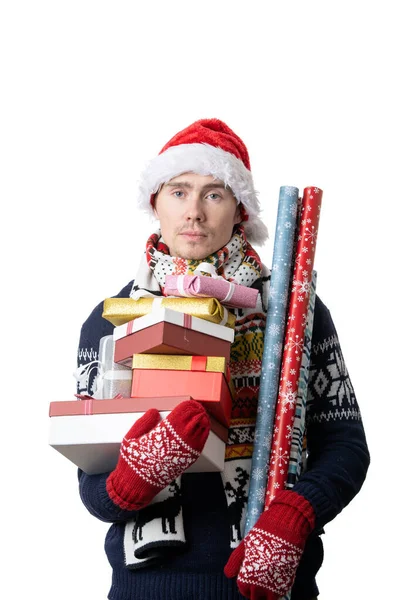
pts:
pixel 195 208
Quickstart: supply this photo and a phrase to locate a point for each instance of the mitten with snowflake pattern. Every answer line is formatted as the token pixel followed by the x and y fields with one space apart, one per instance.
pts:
pixel 266 560
pixel 153 454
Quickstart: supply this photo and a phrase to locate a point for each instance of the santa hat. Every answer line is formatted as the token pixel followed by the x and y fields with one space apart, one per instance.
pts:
pixel 207 147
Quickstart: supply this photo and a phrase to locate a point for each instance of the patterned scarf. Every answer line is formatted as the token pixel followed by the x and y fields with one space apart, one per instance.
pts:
pixel 239 263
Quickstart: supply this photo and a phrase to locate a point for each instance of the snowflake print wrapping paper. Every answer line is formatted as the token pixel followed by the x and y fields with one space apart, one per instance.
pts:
pixel 281 275
pixel 296 449
pixel 294 342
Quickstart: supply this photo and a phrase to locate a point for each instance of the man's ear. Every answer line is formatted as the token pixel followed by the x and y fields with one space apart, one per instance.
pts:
pixel 154 204
pixel 238 215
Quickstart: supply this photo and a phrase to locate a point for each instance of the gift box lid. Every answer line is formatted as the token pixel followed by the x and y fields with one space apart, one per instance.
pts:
pixel 173 317
pixel 91 406
pixel 121 310
pixel 166 338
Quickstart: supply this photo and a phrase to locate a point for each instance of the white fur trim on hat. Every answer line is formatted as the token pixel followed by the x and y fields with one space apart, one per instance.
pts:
pixel 205 159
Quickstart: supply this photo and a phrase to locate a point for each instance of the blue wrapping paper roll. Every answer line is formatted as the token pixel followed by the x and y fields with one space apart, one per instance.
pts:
pixel 281 274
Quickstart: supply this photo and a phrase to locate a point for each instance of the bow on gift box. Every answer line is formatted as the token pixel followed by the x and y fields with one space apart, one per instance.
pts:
pixel 211 270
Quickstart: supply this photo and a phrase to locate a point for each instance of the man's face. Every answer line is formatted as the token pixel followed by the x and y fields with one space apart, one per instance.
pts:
pixel 197 215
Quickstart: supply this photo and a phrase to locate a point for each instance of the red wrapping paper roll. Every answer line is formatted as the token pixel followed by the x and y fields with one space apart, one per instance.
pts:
pixel 294 340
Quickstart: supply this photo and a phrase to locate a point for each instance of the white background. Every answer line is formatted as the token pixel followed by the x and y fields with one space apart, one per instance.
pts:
pixel 89 92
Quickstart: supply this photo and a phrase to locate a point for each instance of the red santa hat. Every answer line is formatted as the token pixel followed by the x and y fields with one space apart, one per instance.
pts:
pixel 207 147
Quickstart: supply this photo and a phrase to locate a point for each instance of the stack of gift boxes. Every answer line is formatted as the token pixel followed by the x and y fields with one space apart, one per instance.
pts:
pixel 163 351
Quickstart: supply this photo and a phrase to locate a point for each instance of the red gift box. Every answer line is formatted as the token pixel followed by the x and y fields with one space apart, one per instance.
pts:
pixel 166 338
pixel 209 388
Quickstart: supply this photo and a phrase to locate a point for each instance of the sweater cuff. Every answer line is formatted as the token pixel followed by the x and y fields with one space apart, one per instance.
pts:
pixel 302 516
pixel 322 504
pixel 116 497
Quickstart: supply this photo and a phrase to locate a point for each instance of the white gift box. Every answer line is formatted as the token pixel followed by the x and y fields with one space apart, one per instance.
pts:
pixel 92 441
pixel 113 378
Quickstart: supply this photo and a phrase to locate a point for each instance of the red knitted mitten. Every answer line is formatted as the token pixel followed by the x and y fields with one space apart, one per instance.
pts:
pixel 151 457
pixel 266 560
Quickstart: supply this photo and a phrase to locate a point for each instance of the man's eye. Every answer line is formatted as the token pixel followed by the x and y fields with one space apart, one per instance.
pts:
pixel 178 193
pixel 214 196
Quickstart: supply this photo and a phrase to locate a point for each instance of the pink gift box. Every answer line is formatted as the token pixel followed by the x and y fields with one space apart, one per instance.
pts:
pixel 230 294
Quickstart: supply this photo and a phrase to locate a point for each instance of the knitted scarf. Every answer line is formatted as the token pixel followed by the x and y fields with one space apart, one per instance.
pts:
pixel 237 262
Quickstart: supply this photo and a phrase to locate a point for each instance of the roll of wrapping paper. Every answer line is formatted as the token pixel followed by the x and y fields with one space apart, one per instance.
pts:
pixel 296 449
pixel 294 342
pixel 281 274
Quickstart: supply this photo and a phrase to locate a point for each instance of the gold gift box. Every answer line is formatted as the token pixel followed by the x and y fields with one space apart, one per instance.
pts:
pixel 121 310
pixel 174 362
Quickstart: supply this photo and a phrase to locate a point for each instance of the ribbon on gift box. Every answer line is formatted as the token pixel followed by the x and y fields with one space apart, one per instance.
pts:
pixel 86 397
pixel 87 402
pixel 187 323
pixel 199 363
pixel 214 286
pixel 216 364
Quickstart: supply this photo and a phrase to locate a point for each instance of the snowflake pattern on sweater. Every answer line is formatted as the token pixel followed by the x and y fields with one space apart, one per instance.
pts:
pixel 330 382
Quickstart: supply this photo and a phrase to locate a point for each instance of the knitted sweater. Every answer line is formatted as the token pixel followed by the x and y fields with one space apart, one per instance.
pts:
pixel 337 464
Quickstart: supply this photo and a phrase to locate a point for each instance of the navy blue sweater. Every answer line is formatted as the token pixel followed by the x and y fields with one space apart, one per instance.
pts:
pixel 338 460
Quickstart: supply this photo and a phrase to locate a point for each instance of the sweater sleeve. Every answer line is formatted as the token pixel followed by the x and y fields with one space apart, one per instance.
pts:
pixel 93 493
pixel 92 488
pixel 337 451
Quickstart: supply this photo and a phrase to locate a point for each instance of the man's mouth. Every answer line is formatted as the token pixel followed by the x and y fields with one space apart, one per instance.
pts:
pixel 193 234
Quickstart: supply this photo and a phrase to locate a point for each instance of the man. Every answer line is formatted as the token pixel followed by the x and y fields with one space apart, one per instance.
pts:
pixel 200 187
